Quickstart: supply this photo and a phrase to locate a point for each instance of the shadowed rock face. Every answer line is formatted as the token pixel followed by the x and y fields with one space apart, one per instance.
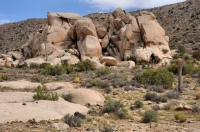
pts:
pixel 121 35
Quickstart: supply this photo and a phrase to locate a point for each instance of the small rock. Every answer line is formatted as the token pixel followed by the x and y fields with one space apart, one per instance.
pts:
pixel 133 107
pixel 23 103
pixel 60 126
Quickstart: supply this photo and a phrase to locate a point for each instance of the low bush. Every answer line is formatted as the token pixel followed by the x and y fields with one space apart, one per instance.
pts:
pixel 172 94
pixel 115 107
pixel 43 95
pixel 4 77
pixel 103 71
pixel 96 82
pixel 155 98
pixel 180 117
pixel 72 121
pixel 149 116
pixel 23 67
pixel 84 66
pixel 158 76
pixel 155 107
pixel 138 104
pixel 195 109
pixel 68 97
pixel 48 69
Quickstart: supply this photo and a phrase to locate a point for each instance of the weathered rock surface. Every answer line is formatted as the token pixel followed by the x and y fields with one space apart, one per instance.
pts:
pixel 58 85
pixel 109 61
pixel 42 110
pixel 16 97
pixel 21 84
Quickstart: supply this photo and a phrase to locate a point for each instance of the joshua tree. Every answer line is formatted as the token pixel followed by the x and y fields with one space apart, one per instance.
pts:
pixel 180 63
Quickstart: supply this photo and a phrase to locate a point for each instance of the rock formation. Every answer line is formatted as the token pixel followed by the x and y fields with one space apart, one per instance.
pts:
pixel 68 35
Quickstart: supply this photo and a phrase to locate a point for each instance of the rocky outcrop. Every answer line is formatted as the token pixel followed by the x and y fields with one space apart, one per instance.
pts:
pixel 68 35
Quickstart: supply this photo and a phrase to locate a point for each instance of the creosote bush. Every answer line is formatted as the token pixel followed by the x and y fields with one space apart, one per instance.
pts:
pixel 103 71
pixel 48 69
pixel 116 107
pixel 138 104
pixel 180 117
pixel 68 97
pixel 149 116
pixel 43 95
pixel 155 98
pixel 158 76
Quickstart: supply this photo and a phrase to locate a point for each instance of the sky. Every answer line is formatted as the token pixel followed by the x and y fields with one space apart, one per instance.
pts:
pixel 17 10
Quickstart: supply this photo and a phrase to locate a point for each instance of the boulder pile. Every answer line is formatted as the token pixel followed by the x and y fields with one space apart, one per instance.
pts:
pixel 71 37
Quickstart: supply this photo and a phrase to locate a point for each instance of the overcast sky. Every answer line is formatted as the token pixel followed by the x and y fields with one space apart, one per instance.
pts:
pixel 17 10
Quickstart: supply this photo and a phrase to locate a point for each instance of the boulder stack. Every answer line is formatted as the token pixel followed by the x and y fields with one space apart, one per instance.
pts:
pixel 68 35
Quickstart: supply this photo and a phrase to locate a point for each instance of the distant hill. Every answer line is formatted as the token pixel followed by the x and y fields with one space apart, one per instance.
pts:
pixel 181 22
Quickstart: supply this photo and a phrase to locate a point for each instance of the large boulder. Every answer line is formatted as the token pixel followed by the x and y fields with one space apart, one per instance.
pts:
pixel 83 27
pixel 109 61
pixel 58 85
pixel 84 96
pixel 90 47
pixel 34 61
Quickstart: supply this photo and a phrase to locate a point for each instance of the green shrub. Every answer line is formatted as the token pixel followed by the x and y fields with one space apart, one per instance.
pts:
pixel 96 82
pixel 138 104
pixel 103 71
pixel 68 97
pixel 188 68
pixel 4 77
pixel 149 116
pixel 158 76
pixel 79 67
pixel 23 67
pixel 131 58
pixel 155 107
pixel 115 107
pixel 181 49
pixel 48 69
pixel 84 66
pixel 42 95
pixel 155 98
pixel 180 117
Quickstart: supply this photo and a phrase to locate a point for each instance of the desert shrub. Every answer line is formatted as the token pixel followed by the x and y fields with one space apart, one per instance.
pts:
pixel 197 95
pixel 158 89
pixel 172 94
pixel 188 67
pixel 4 77
pixel 104 84
pixel 151 96
pixel 48 69
pixel 167 106
pixel 181 49
pixel 115 107
pixel 23 67
pixel 149 116
pixel 96 82
pixel 107 90
pixel 84 66
pixel 195 109
pixel 131 58
pixel 138 104
pixel 187 56
pixel 196 54
pixel 107 128
pixel 180 117
pixel 41 94
pixel 72 121
pixel 155 98
pixel 79 67
pixel 68 97
pixel 119 83
pixel 103 71
pixel 135 69
pixel 158 76
pixel 155 107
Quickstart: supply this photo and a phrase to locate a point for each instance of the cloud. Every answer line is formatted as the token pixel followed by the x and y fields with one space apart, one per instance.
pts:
pixel 127 4
pixel 3 21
